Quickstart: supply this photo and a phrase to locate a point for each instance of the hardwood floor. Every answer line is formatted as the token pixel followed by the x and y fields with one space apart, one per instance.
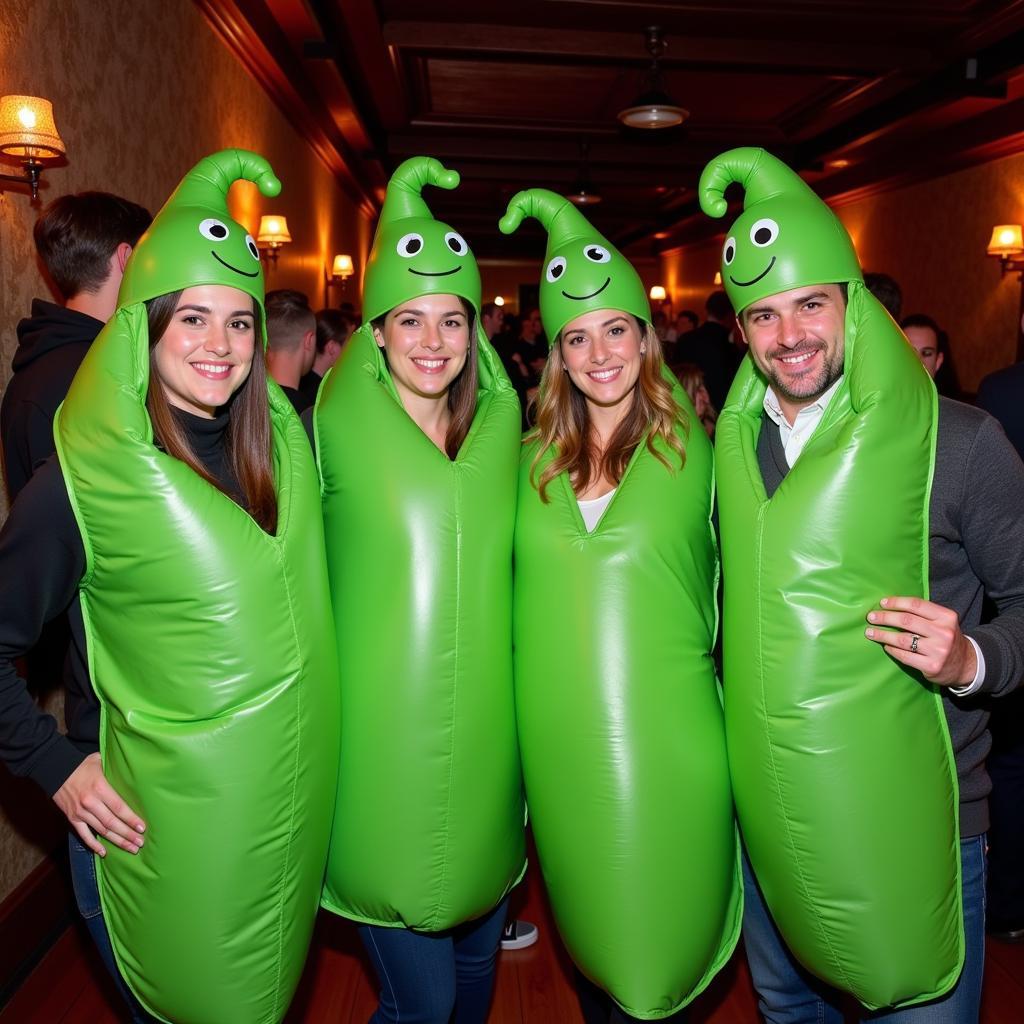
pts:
pixel 533 985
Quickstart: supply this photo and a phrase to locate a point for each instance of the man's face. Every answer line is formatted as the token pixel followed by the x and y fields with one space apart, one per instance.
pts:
pixel 493 322
pixel 796 339
pixel 926 345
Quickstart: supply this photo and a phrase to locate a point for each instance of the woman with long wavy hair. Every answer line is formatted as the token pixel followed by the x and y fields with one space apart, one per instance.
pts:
pixel 614 620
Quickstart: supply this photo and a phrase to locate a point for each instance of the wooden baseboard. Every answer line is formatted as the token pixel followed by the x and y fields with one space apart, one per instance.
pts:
pixel 32 918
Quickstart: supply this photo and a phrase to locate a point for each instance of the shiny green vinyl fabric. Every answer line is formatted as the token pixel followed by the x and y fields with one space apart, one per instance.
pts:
pixel 211 649
pixel 842 769
pixel 621 728
pixel 429 825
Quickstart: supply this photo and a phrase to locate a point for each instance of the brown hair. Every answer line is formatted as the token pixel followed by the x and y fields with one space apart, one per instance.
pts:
pixel 77 234
pixel 247 439
pixel 563 422
pixel 462 391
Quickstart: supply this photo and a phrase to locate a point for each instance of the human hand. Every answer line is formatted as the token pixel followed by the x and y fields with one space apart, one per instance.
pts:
pixel 94 809
pixel 927 638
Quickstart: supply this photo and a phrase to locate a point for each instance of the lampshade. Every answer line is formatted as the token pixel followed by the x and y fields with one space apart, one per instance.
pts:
pixel 1006 240
pixel 718 277
pixel 342 266
pixel 499 300
pixel 657 293
pixel 27 131
pixel 273 230
pixel 653 109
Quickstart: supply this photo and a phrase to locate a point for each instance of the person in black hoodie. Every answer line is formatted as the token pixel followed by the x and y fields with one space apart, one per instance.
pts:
pixel 84 241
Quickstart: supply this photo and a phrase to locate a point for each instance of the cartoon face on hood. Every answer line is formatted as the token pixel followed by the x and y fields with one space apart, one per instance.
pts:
pixel 786 236
pixel 583 271
pixel 414 254
pixel 193 240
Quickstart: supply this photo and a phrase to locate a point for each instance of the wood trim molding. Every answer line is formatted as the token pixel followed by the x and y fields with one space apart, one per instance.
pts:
pixel 32 917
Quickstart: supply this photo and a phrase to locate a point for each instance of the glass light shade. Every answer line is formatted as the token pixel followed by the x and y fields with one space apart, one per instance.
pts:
pixel 273 230
pixel 27 131
pixel 342 266
pixel 583 197
pixel 657 293
pixel 499 300
pixel 1006 240
pixel 718 277
pixel 653 110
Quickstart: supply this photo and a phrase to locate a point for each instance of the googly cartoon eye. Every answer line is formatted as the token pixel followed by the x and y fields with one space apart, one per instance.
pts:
pixel 213 229
pixel 729 250
pixel 763 232
pixel 456 243
pixel 597 253
pixel 556 268
pixel 250 244
pixel 409 245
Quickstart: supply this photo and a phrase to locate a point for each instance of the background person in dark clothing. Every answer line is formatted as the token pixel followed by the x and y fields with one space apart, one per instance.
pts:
pixel 291 342
pixel 710 347
pixel 1002 395
pixel 333 329
pixel 83 241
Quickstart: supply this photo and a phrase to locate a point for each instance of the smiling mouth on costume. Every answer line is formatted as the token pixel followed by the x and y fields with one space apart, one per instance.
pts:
pixel 753 280
pixel 435 273
pixel 244 273
pixel 580 298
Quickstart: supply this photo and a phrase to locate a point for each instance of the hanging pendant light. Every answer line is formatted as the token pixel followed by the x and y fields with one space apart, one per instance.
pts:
pixel 654 108
pixel 583 192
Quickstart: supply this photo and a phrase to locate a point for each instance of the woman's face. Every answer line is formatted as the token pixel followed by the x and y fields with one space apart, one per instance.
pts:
pixel 602 352
pixel 205 354
pixel 701 400
pixel 427 344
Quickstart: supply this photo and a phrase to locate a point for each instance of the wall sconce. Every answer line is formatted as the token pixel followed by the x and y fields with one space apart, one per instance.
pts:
pixel 28 136
pixel 657 293
pixel 1008 244
pixel 499 300
pixel 718 278
pixel 341 270
pixel 273 233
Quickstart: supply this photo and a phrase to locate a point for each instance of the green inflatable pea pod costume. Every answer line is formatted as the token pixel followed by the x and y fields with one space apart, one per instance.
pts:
pixel 211 650
pixel 619 711
pixel 429 825
pixel 841 762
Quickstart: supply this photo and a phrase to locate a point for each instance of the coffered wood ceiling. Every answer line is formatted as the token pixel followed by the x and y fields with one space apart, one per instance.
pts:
pixel 859 95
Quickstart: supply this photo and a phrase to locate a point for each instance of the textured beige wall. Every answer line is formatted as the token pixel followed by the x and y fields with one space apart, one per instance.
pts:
pixel 140 92
pixel 931 237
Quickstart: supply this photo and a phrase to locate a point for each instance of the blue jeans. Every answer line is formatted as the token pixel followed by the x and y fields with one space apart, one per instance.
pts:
pixel 787 994
pixel 87 896
pixel 424 977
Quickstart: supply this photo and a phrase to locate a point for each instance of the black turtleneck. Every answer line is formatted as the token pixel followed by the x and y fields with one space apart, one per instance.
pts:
pixel 42 560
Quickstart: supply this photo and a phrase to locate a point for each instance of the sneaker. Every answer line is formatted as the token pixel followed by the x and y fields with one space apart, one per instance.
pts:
pixel 997 928
pixel 518 934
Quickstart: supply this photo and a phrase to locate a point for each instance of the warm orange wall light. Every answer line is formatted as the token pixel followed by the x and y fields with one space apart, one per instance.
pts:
pixel 28 135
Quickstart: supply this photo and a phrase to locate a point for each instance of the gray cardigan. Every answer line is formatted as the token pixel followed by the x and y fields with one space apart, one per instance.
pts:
pixel 976 550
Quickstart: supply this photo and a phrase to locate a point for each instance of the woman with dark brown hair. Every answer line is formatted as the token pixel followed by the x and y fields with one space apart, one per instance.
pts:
pixel 178 526
pixel 417 434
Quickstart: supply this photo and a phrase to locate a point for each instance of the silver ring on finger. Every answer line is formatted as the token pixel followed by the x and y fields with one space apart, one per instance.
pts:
pixel 913 643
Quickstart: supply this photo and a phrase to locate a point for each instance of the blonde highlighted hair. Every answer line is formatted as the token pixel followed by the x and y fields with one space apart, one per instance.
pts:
pixel 563 422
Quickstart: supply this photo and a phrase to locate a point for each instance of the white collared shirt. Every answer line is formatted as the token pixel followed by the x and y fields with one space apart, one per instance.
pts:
pixel 795 436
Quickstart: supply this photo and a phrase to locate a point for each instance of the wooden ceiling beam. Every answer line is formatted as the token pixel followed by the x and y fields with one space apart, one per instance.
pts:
pixel 255 38
pixel 520 42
